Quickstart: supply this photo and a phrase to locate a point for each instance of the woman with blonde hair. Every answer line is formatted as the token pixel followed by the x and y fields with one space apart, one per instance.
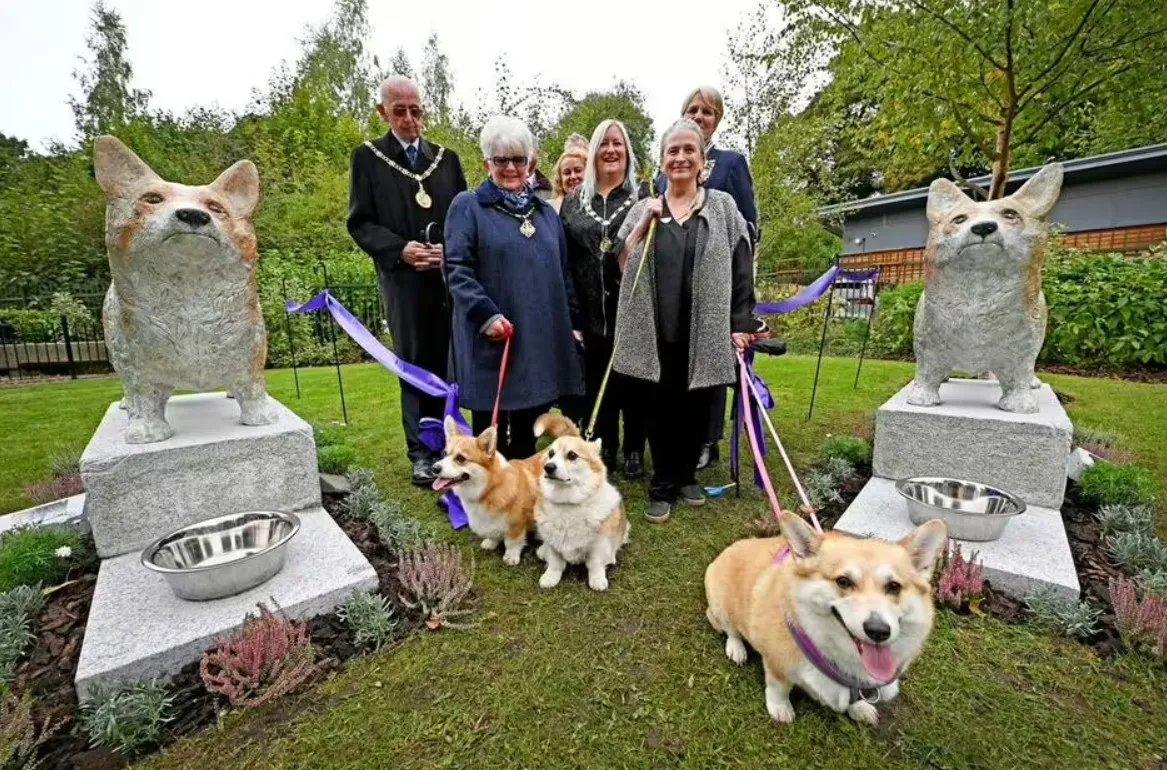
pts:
pixel 568 173
pixel 592 217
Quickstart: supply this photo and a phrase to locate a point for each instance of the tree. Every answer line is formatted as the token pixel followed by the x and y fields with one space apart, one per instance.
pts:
pixel 437 81
pixel 399 64
pixel 623 102
pixel 107 102
pixel 336 63
pixel 981 80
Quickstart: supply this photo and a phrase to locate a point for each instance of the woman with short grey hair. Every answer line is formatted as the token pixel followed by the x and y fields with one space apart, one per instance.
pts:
pixel 506 266
pixel 680 320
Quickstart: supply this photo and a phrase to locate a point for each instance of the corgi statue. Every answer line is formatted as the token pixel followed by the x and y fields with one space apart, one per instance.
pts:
pixel 182 310
pixel 982 308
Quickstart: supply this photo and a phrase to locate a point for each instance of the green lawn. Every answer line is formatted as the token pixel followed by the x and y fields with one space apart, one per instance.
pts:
pixel 635 677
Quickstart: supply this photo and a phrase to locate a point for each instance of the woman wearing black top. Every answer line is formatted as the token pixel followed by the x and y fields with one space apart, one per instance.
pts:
pixel 591 220
pixel 692 304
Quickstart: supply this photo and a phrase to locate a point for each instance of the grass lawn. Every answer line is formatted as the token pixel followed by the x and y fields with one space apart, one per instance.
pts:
pixel 635 677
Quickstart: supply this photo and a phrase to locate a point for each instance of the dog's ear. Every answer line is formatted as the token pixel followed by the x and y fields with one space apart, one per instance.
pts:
pixel 597 444
pixel 240 184
pixel 488 440
pixel 451 429
pixel 924 544
pixel 803 541
pixel 943 195
pixel 117 168
pixel 1040 193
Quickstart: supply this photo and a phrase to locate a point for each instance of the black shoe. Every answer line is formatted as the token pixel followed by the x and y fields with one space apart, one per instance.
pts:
pixel 709 455
pixel 634 465
pixel 423 473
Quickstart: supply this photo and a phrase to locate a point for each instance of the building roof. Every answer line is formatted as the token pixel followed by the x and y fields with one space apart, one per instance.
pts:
pixel 1139 160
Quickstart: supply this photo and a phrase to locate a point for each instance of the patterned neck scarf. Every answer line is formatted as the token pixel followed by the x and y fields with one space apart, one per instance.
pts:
pixel 518 202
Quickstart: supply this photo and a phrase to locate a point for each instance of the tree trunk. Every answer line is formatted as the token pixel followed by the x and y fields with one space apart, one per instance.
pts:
pixel 1002 151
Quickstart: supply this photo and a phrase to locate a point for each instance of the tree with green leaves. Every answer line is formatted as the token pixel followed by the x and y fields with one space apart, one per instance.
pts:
pixel 987 81
pixel 755 86
pixel 107 101
pixel 623 102
pixel 437 80
pixel 400 65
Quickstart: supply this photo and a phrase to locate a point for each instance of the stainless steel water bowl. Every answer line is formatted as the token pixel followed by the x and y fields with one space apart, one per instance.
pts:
pixel 970 510
pixel 222 556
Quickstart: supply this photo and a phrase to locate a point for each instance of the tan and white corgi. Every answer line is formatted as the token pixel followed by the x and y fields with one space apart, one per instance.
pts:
pixel 580 517
pixel 499 494
pixel 840 617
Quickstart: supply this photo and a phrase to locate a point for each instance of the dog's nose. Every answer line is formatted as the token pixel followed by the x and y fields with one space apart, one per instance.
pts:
pixel 984 228
pixel 436 469
pixel 193 217
pixel 549 468
pixel 876 628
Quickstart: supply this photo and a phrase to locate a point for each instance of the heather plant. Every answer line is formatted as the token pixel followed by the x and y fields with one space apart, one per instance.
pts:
pixel 1126 518
pixel 337 458
pixel 1102 443
pixel 1078 620
pixel 1111 484
pixel 1142 622
pixel 855 451
pixel 42 492
pixel 961 580
pixel 436 584
pixel 126 717
pixel 270 657
pixel 33 554
pixel 370 618
pixel 20 735
pixel 1137 551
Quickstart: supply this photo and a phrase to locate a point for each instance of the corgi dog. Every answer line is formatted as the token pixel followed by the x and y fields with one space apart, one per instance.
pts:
pixel 580 517
pixel 499 494
pixel 182 310
pixel 982 308
pixel 838 616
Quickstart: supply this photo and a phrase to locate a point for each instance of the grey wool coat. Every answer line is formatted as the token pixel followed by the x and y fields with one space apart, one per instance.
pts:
pixel 723 298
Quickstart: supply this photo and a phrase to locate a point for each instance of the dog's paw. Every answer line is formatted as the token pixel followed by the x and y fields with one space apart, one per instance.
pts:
pixel 487 544
pixel 148 431
pixel 550 579
pixel 257 412
pixel 511 558
pixel 1019 401
pixel 781 712
pixel 922 395
pixel 598 581
pixel 541 552
pixel 863 712
pixel 735 650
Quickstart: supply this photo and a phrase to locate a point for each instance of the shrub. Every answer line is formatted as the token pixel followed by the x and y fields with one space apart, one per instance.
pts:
pixel 30 555
pixel 328 435
pixel 397 531
pixel 370 618
pixel 895 314
pixel 1102 443
pixel 361 477
pixel 961 580
pixel 335 459
pixel 1126 518
pixel 1079 620
pixel 65 462
pixel 361 502
pixel 436 584
pixel 1142 623
pixel 126 717
pixel 1154 581
pixel 1110 484
pixel 853 450
pixel 821 488
pixel 20 736
pixel 270 657
pixel 1135 551
pixel 15 637
pixel 55 489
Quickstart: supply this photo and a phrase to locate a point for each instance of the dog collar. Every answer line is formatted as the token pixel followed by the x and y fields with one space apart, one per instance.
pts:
pixel 824 664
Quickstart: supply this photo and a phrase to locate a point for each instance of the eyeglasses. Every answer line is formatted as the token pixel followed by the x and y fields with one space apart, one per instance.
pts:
pixel 517 161
pixel 400 111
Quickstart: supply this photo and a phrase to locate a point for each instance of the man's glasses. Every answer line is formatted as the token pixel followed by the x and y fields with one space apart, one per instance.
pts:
pixel 400 111
pixel 518 161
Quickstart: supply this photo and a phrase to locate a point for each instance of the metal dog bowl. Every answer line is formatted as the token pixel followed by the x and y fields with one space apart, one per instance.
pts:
pixel 222 556
pixel 969 510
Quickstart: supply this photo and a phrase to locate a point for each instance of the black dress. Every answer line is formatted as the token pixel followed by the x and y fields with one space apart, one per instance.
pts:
pixel 384 215
pixel 596 276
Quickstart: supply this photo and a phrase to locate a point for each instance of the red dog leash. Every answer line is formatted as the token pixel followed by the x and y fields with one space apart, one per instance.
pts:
pixel 508 331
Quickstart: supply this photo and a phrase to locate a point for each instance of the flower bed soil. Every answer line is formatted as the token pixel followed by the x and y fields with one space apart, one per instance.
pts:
pixel 51 665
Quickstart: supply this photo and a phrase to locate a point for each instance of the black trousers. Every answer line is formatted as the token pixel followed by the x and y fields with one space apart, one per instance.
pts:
pixel 414 406
pixel 624 395
pixel 516 430
pixel 677 424
pixel 715 430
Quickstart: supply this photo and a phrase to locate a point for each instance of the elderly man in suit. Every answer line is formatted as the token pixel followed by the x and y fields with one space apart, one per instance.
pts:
pixel 400 190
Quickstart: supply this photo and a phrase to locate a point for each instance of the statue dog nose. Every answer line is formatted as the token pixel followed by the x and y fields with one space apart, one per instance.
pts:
pixel 193 217
pixel 984 228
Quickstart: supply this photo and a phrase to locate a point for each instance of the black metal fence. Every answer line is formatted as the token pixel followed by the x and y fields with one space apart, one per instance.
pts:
pixel 36 344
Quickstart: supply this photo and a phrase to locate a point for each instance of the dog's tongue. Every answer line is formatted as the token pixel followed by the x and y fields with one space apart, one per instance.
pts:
pixel 441 483
pixel 878 660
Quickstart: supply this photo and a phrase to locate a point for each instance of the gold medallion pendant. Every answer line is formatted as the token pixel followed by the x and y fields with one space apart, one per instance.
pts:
pixel 423 198
pixel 527 229
pixel 606 245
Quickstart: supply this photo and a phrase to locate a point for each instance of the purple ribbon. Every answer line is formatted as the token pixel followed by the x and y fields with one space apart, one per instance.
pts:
pixel 818 288
pixel 432 431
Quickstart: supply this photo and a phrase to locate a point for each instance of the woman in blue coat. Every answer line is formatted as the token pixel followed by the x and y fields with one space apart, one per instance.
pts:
pixel 729 172
pixel 506 266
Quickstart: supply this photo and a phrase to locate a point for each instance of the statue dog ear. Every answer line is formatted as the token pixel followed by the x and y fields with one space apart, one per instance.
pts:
pixel 118 170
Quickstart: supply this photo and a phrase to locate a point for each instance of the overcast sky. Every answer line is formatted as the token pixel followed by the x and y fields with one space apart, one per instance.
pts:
pixel 212 52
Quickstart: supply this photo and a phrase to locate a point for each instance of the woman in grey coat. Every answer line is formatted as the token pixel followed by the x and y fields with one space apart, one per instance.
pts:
pixel 679 321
